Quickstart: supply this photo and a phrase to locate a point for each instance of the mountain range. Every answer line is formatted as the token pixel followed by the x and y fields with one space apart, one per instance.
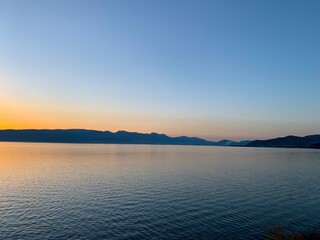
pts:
pixel 124 137
pixel 93 136
pixel 311 141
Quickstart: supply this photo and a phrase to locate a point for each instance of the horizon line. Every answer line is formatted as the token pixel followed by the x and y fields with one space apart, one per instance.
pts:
pixel 121 130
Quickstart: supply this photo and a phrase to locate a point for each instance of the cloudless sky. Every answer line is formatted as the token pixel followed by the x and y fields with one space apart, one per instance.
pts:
pixel 215 69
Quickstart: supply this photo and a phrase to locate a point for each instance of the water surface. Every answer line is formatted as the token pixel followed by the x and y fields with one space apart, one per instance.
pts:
pixel 83 191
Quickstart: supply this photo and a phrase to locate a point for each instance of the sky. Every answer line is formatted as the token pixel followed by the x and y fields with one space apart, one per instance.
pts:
pixel 214 69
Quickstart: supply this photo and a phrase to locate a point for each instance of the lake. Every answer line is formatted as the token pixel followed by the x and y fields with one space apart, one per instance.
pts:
pixel 87 191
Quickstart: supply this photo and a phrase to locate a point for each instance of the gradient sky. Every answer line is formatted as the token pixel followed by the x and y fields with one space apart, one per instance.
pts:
pixel 215 69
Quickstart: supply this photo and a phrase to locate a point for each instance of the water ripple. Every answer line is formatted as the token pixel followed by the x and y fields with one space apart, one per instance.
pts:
pixel 61 191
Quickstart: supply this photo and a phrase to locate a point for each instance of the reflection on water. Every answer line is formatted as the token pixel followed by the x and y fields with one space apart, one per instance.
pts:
pixel 74 191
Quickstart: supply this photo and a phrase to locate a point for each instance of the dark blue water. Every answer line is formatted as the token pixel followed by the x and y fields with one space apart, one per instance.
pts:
pixel 69 191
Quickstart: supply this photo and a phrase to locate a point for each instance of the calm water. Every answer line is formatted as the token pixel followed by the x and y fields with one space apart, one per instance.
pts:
pixel 70 191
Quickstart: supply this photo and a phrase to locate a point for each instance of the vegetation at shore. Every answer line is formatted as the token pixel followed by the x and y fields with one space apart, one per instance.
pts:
pixel 279 233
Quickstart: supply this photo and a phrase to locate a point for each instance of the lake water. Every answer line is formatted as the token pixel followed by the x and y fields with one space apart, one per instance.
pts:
pixel 78 191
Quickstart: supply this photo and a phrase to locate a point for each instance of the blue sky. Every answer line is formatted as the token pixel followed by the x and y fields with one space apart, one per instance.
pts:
pixel 214 69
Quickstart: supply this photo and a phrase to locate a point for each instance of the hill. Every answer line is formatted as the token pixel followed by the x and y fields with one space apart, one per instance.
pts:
pixel 311 141
pixel 93 136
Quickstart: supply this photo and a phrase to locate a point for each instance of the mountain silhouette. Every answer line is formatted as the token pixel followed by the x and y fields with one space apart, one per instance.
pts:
pixel 317 145
pixel 311 141
pixel 93 136
pixel 124 137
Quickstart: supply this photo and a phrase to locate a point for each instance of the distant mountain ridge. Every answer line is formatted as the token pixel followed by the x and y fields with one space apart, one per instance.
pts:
pixel 124 137
pixel 233 143
pixel 93 136
pixel 317 145
pixel 310 141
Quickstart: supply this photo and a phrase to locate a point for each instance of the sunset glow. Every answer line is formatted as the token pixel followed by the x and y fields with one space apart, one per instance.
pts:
pixel 110 67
